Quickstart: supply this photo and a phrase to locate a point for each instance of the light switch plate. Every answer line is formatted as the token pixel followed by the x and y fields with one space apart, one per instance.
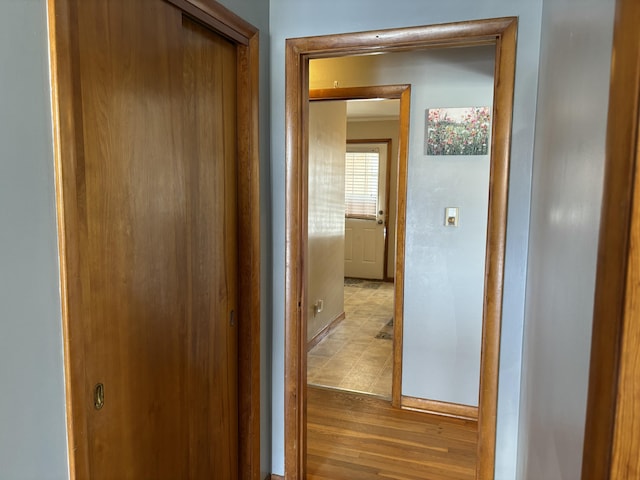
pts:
pixel 451 217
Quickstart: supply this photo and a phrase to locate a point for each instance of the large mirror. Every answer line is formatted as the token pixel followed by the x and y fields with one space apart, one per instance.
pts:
pixel 352 223
pixel 403 185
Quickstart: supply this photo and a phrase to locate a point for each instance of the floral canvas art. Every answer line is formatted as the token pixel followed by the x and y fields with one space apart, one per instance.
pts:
pixel 457 131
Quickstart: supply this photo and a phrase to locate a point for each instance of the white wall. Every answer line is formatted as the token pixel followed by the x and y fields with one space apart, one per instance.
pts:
pixel 444 266
pixel 298 18
pixel 327 146
pixel 32 409
pixel 566 199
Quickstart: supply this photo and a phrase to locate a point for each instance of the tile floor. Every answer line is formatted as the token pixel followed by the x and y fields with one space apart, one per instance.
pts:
pixel 351 357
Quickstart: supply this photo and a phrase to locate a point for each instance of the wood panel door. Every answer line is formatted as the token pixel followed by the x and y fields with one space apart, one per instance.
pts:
pixel 157 207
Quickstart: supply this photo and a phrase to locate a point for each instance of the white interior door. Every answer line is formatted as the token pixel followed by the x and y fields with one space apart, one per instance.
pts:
pixel 365 204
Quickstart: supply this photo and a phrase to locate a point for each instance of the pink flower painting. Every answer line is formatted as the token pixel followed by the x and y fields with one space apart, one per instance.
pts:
pixel 457 131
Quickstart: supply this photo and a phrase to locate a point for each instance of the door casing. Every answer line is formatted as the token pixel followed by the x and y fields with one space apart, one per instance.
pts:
pixel 501 33
pixel 68 148
pixel 611 427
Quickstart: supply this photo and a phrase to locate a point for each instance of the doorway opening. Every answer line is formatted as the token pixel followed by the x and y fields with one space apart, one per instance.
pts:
pixel 351 334
pixel 392 220
pixel 498 33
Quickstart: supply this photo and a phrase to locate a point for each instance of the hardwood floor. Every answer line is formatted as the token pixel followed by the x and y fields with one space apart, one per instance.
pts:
pixel 361 437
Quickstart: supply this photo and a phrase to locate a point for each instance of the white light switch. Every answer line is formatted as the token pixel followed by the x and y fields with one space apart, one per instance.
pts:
pixel 451 217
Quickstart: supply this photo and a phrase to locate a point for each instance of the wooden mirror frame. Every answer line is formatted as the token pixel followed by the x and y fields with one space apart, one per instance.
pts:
pixel 612 419
pixel 500 32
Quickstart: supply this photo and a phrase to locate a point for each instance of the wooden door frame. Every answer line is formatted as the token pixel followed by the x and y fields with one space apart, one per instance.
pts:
pixel 500 32
pixel 611 403
pixel 387 142
pixel 389 92
pixel 68 150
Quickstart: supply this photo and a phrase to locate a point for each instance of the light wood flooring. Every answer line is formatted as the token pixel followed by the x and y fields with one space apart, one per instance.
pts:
pixel 360 437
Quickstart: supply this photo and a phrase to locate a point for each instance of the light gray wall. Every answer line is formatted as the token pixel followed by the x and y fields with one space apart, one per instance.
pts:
pixel 567 188
pixel 33 442
pixel 299 18
pixel 325 233
pixel 444 266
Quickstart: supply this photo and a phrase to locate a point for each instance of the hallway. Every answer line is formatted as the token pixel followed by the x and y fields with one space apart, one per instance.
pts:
pixel 358 354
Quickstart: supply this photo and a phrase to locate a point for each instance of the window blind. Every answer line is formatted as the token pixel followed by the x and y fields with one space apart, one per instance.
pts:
pixel 361 184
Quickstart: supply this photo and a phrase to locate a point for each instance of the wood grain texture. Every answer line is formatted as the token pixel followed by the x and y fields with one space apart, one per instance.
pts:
pixel 475 32
pixel 144 215
pixel 210 85
pixel 68 148
pixel 219 18
pixel 295 366
pixel 401 222
pixel 358 93
pixel 359 437
pixel 504 79
pixel 249 362
pixel 502 33
pixel 625 462
pixel 433 407
pixel 626 441
pixel 609 344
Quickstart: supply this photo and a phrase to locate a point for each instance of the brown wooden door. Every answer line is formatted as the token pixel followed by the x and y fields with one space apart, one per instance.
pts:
pixel 157 202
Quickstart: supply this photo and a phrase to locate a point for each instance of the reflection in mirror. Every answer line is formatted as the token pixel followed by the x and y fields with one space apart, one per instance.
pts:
pixel 351 339
pixel 445 232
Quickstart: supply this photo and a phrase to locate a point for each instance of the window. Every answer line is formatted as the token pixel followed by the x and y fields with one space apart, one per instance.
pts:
pixel 361 184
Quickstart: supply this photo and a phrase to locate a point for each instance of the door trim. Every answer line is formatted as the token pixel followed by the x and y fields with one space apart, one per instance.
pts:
pixel 68 149
pixel 500 32
pixel 615 322
pixel 434 407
